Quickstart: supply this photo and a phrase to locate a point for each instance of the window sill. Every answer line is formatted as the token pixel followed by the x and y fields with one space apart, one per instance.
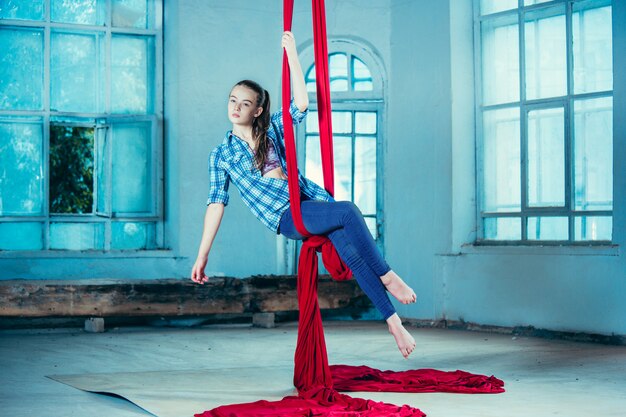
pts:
pixel 94 254
pixel 539 250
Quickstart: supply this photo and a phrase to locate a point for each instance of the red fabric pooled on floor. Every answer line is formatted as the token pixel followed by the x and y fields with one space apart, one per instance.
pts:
pixel 312 374
pixel 364 378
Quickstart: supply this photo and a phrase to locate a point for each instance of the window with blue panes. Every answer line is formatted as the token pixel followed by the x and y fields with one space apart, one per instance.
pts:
pixel 545 115
pixel 356 114
pixel 80 147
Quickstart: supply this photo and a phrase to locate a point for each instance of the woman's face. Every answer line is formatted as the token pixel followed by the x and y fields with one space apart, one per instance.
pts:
pixel 242 108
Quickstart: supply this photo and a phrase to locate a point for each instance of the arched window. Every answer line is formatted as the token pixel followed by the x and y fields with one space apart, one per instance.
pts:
pixel 356 85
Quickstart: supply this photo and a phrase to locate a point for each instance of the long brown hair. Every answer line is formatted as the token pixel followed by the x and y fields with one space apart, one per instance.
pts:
pixel 261 123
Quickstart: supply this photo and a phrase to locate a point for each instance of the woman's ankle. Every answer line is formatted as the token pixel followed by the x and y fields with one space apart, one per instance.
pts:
pixel 394 321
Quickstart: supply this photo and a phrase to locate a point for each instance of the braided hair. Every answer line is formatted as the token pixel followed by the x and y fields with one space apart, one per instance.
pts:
pixel 261 123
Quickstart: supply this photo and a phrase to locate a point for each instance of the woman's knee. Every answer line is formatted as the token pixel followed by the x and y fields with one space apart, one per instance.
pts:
pixel 349 208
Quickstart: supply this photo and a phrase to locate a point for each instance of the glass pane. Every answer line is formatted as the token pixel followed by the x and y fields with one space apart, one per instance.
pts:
pixel 21 165
pixel 132 168
pixel 361 76
pixel 21 236
pixel 312 123
pixel 365 174
pixel 21 69
pixel 365 122
pixel 132 235
pixel 85 12
pixel 371 225
pixel 76 62
pixel 342 121
pixel 310 79
pixel 338 72
pixel 546 66
pixel 22 9
pixel 501 160
pixel 547 228
pixel 531 2
pixel 71 169
pixel 500 62
pixel 593 50
pixel 76 236
pixel 494 6
pixel 131 74
pixel 546 158
pixel 103 205
pixel 593 154
pixel 313 162
pixel 593 228
pixel 343 168
pixel 502 228
pixel 129 13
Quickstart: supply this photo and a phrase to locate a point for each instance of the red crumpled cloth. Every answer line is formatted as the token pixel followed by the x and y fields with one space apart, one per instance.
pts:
pixel 317 388
pixel 318 383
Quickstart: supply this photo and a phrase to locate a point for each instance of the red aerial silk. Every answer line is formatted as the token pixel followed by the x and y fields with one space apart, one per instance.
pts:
pixel 317 382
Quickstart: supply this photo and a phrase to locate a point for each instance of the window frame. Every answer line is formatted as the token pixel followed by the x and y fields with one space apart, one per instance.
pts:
pixel 525 106
pixel 105 120
pixel 355 101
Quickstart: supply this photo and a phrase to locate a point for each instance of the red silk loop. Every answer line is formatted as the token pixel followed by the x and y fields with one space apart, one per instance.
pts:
pixel 317 382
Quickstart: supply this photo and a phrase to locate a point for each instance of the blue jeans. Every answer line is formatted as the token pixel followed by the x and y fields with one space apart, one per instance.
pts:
pixel 342 222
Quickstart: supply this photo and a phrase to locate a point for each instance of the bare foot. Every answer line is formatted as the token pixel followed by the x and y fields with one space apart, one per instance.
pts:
pixel 404 340
pixel 398 288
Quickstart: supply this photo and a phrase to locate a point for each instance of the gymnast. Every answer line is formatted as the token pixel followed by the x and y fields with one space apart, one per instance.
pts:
pixel 252 156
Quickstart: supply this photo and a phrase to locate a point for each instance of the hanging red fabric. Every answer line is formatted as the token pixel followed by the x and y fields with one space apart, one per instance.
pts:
pixel 313 377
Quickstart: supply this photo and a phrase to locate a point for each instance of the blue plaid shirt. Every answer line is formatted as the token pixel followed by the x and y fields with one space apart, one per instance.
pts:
pixel 267 198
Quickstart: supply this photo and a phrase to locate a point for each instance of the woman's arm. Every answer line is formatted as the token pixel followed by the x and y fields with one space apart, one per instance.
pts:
pixel 212 219
pixel 300 95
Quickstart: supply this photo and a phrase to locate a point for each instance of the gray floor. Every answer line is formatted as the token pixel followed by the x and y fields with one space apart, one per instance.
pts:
pixel 543 378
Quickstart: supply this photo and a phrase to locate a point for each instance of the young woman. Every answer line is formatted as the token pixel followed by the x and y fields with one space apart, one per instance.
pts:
pixel 252 156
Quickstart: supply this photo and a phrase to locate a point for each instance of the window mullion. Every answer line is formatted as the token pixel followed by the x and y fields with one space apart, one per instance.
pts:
pixel 523 124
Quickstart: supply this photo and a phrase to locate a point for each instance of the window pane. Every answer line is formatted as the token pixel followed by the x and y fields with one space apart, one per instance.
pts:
pixel 501 160
pixel 132 168
pixel 500 62
pixel 546 67
pixel 310 79
pixel 361 76
pixel 129 13
pixel 103 204
pixel 22 9
pixel 365 122
pixel 546 158
pixel 365 174
pixel 131 74
pixel 21 69
pixel 547 228
pixel 531 2
pixel 21 236
pixel 76 62
pixel 593 228
pixel 343 167
pixel 76 236
pixel 71 169
pixel 338 72
pixel 593 50
pixel 493 6
pixel 342 121
pixel 86 12
pixel 371 225
pixel 21 179
pixel 132 235
pixel 502 228
pixel 593 154
pixel 313 163
pixel 312 122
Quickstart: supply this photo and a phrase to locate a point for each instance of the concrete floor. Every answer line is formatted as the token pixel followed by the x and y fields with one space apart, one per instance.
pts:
pixel 542 377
